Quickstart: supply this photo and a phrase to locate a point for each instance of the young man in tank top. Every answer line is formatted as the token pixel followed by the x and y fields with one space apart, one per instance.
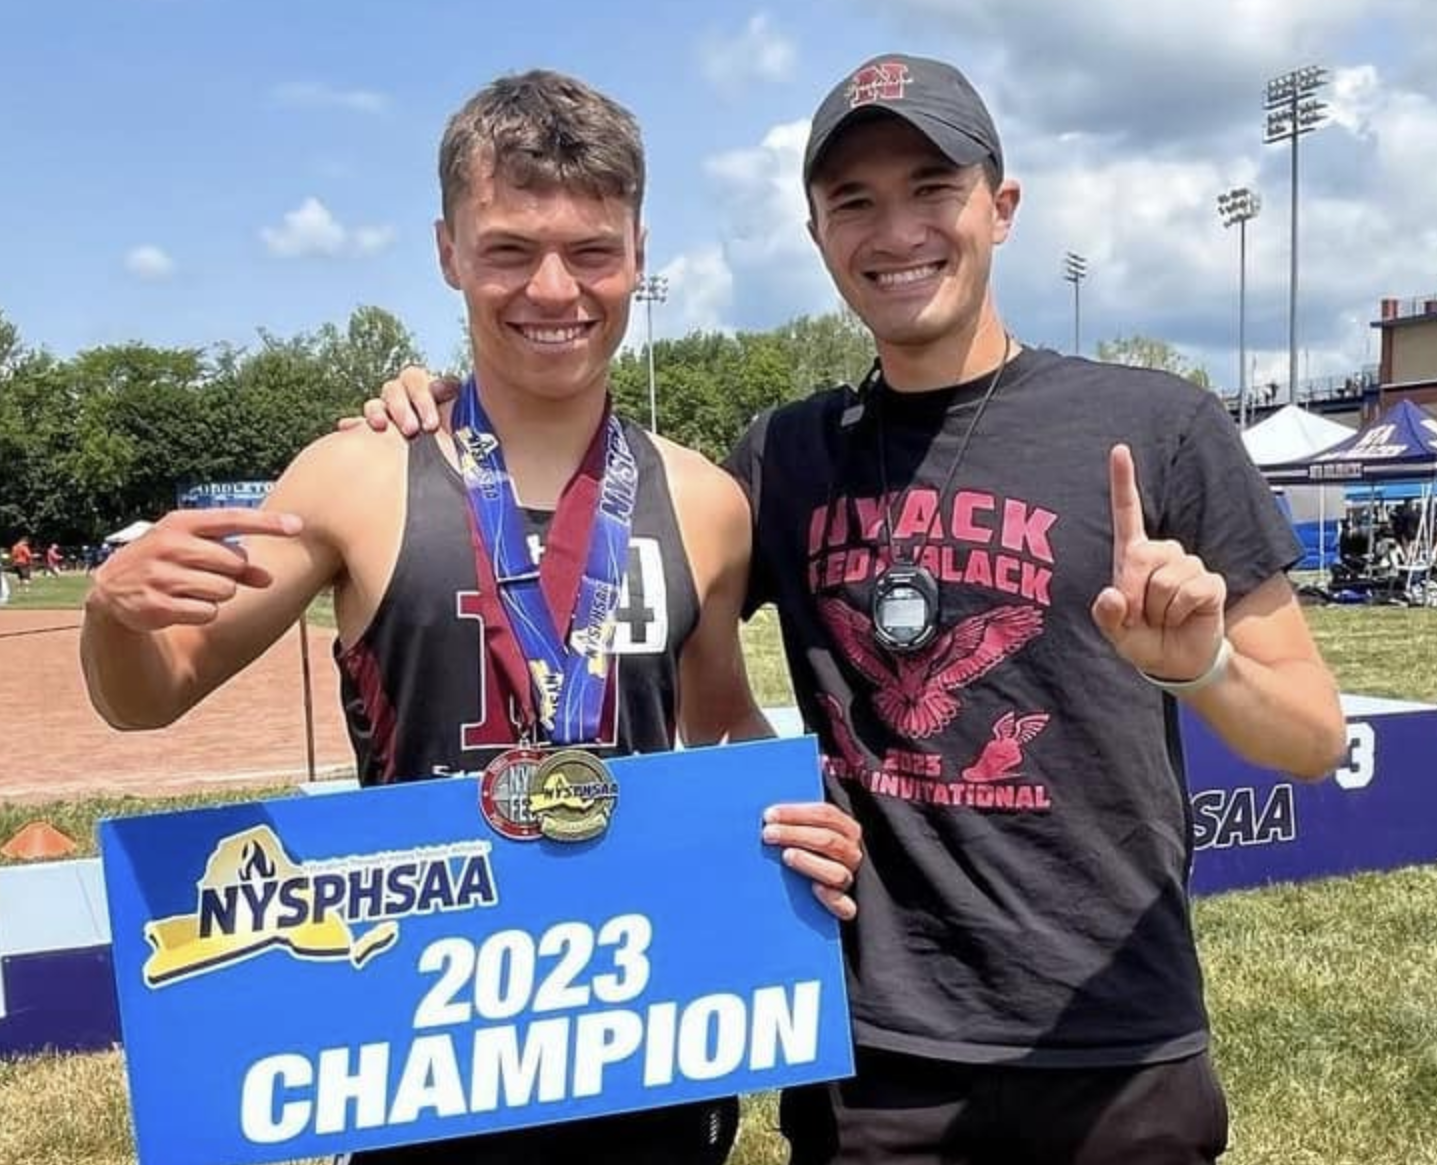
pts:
pixel 997 570
pixel 542 182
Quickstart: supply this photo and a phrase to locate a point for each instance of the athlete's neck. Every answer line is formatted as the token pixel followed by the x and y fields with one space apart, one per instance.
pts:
pixel 957 358
pixel 544 440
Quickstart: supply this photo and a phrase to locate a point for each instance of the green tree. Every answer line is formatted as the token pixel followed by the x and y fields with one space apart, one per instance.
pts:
pixel 10 349
pixel 268 404
pixel 373 347
pixel 711 385
pixel 37 419
pixel 112 434
pixel 829 349
pixel 1147 352
pixel 141 428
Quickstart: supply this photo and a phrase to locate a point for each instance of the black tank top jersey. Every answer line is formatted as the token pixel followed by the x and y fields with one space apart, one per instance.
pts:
pixel 422 696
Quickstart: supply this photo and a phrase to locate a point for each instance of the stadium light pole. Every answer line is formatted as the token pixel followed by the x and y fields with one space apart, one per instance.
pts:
pixel 1239 206
pixel 1292 111
pixel 1075 270
pixel 652 289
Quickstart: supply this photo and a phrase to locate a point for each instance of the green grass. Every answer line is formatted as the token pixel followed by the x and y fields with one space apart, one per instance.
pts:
pixel 67 592
pixel 767 668
pixel 1324 1004
pixel 44 593
pixel 1323 995
pixel 77 820
pixel 1380 651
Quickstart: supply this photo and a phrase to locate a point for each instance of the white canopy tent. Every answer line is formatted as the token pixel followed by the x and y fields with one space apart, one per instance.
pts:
pixel 129 533
pixel 1291 434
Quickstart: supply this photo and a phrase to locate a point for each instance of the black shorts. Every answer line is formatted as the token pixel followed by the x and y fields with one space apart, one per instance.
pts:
pixel 923 1112
pixel 685 1134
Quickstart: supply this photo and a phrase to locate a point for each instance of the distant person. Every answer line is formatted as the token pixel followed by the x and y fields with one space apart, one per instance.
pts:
pixel 22 560
pixel 54 559
pixel 1353 543
pixel 1406 523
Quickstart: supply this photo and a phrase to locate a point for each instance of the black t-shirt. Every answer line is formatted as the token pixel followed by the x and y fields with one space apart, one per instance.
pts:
pixel 1021 788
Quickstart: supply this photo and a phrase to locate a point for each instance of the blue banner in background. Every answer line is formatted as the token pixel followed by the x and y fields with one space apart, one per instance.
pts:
pixel 305 976
pixel 223 494
pixel 1252 825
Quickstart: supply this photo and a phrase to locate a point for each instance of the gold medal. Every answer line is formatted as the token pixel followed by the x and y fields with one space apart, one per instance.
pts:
pixel 572 796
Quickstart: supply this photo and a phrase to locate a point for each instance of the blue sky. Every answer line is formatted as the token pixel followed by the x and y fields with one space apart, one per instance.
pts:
pixel 187 171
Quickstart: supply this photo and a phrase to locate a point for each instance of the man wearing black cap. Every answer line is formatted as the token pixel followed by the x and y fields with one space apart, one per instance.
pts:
pixel 987 625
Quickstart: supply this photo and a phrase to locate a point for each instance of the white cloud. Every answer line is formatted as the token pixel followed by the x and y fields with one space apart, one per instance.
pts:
pixel 149 263
pixel 312 231
pixel 309 230
pixel 758 53
pixel 764 243
pixel 1151 72
pixel 700 295
pixel 700 291
pixel 763 191
pixel 318 95
pixel 371 240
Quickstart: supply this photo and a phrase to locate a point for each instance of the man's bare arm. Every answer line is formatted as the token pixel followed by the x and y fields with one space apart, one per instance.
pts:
pixel 180 610
pixel 816 839
pixel 1277 703
pixel 1252 671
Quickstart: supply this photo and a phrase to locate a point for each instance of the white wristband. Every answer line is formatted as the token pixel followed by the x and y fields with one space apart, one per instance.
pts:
pixel 1215 672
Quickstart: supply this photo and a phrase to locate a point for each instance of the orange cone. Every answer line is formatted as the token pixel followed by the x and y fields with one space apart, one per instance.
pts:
pixel 37 841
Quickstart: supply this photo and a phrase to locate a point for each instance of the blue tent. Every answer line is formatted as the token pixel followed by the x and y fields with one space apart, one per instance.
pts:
pixel 1401 444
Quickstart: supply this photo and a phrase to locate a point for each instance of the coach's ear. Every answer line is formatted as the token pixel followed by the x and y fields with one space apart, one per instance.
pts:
pixel 1005 209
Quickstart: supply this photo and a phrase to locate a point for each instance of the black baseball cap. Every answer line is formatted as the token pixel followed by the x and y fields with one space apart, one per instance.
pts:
pixel 933 97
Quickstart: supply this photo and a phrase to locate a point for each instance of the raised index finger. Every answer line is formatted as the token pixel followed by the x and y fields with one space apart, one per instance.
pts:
pixel 1127 504
pixel 226 522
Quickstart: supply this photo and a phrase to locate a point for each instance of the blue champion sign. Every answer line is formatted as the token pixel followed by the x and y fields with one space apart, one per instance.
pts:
pixel 306 976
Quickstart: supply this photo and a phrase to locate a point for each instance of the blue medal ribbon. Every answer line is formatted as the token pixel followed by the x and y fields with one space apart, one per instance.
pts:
pixel 567 677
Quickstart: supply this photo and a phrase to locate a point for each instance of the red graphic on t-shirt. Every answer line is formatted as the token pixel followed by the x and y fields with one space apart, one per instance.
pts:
pixel 917 695
pixel 1002 755
pixel 848 748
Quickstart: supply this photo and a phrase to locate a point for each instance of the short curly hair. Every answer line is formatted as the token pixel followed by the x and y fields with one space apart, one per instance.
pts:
pixel 544 129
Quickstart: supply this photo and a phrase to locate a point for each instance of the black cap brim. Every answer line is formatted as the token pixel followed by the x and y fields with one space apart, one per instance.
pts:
pixel 954 144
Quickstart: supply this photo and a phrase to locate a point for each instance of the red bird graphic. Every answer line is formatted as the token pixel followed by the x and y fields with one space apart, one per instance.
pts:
pixel 848 749
pixel 1004 753
pixel 917 695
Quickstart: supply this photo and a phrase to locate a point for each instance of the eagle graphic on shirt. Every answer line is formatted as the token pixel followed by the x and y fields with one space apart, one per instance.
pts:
pixel 918 694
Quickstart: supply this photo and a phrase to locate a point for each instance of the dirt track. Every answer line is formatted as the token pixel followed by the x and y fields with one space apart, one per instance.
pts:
pixel 250 731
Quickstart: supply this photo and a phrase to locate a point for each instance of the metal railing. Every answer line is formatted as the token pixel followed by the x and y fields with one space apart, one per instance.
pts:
pixel 1350 385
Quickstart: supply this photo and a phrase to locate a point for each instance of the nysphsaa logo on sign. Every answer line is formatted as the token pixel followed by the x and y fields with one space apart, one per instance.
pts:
pixel 254 896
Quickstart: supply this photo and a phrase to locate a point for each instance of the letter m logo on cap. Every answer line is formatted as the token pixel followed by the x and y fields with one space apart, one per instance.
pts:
pixel 884 81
